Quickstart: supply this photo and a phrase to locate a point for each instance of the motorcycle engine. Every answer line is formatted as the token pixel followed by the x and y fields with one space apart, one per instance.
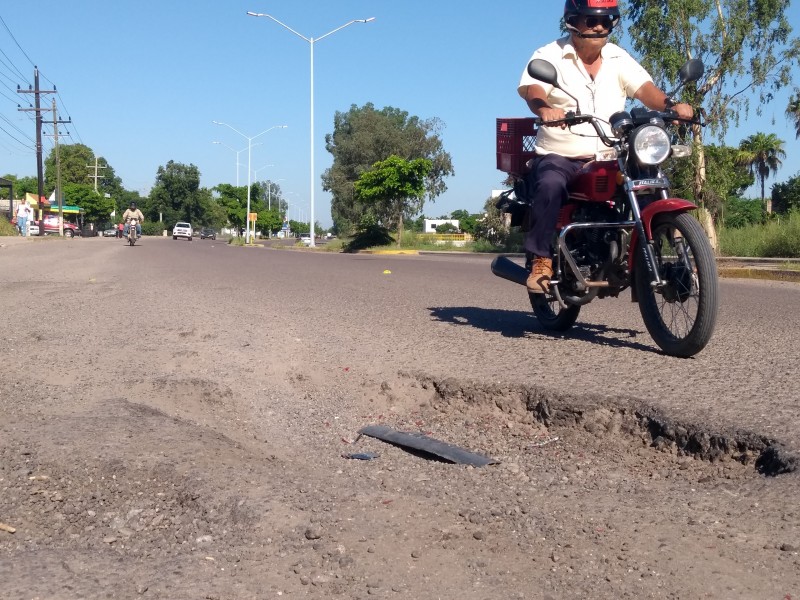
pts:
pixel 590 247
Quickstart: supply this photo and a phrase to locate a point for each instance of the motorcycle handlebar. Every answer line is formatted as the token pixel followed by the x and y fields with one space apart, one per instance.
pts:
pixel 575 119
pixel 571 118
pixel 671 115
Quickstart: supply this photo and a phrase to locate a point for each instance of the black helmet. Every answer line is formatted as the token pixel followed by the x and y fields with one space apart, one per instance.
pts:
pixel 133 206
pixel 597 8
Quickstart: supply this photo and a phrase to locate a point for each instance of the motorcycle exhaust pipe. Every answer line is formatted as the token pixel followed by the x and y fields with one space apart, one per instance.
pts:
pixel 504 267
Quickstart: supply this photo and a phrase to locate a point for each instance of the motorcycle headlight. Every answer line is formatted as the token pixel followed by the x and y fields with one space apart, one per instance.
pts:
pixel 650 145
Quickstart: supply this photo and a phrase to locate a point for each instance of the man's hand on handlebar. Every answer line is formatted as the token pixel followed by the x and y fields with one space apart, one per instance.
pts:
pixel 547 115
pixel 683 111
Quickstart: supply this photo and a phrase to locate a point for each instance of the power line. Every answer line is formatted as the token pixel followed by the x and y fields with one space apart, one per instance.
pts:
pixel 7 120
pixel 11 67
pixel 12 137
pixel 18 46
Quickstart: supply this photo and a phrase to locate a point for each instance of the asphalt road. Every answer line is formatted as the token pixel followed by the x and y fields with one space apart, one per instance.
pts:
pixel 448 316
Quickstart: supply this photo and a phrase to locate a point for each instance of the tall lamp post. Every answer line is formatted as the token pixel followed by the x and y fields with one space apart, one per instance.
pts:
pixel 237 156
pixel 269 190
pixel 255 178
pixel 255 171
pixel 249 167
pixel 311 41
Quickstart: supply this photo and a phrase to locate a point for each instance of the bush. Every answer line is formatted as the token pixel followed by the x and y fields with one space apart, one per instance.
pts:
pixel 153 228
pixel 6 228
pixel 779 237
pixel 447 228
pixel 740 213
pixel 370 237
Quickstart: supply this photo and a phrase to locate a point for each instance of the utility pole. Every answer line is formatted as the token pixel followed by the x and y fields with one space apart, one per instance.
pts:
pixel 96 168
pixel 58 172
pixel 38 110
pixel 59 196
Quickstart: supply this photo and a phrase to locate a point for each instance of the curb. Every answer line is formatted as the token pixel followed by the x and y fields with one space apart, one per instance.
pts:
pixel 762 274
pixel 397 252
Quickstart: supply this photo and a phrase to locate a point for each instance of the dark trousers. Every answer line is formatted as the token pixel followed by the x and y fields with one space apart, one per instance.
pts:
pixel 547 182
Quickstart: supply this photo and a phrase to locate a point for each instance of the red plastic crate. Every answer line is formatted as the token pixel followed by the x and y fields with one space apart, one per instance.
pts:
pixel 515 140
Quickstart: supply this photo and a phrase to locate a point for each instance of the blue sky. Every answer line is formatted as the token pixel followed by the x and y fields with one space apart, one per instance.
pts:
pixel 143 80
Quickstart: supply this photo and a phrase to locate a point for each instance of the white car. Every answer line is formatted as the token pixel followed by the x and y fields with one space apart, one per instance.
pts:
pixel 182 230
pixel 305 238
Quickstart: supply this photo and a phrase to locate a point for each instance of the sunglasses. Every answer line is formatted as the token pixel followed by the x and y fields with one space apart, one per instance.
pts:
pixel 592 22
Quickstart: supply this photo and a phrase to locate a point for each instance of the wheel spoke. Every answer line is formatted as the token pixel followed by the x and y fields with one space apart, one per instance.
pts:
pixel 678 301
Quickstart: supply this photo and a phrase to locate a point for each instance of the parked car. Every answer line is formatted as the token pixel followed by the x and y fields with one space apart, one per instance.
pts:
pixel 207 232
pixel 51 227
pixel 182 229
pixel 111 232
pixel 305 238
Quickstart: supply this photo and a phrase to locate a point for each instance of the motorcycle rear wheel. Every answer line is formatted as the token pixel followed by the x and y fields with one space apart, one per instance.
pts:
pixel 551 314
pixel 680 317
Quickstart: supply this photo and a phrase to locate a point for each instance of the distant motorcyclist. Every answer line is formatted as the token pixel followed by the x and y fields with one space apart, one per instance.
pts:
pixel 132 213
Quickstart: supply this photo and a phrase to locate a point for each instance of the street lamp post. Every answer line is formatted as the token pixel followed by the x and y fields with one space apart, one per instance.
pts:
pixel 269 192
pixel 255 171
pixel 237 156
pixel 249 162
pixel 311 41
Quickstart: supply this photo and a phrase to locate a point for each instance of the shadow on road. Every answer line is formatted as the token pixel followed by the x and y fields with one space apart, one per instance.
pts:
pixel 516 324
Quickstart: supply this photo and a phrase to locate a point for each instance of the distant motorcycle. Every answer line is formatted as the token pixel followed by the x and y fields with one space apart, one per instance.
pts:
pixel 620 227
pixel 132 224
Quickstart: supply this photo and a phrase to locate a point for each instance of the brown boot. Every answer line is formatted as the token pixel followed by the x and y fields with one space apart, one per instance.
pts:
pixel 541 272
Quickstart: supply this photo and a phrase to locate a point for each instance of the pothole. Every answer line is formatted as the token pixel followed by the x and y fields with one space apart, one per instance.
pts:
pixel 629 421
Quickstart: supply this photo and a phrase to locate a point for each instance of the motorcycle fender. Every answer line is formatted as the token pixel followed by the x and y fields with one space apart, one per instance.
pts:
pixel 674 205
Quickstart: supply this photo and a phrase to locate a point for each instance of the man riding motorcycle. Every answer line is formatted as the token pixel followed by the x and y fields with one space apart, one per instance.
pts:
pixel 132 213
pixel 601 76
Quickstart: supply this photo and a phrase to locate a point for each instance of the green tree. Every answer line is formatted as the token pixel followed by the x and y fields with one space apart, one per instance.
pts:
pixel 177 194
pixel 233 201
pixel 96 207
pixel 725 177
pixel 741 213
pixel 77 166
pixel 491 228
pixel 395 187
pixel 786 196
pixel 747 47
pixel 415 225
pixel 466 221
pixel 793 112
pixel 761 153
pixel 22 186
pixel 446 228
pixel 298 227
pixel 363 136
pixel 73 159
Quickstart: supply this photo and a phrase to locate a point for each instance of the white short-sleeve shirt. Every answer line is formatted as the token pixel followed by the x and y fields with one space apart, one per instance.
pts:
pixel 619 78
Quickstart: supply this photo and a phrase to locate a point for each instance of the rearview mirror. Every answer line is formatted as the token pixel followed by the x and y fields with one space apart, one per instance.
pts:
pixel 691 71
pixel 543 71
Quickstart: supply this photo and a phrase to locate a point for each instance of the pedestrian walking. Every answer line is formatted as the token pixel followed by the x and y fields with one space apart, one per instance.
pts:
pixel 24 212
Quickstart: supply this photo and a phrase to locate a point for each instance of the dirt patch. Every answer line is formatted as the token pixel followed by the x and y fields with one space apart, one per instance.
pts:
pixel 198 463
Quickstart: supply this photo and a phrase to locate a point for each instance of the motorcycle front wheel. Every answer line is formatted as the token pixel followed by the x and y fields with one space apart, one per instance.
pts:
pixel 551 314
pixel 680 316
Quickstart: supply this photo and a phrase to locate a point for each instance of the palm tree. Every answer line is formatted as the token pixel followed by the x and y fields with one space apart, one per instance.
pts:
pixel 762 154
pixel 793 113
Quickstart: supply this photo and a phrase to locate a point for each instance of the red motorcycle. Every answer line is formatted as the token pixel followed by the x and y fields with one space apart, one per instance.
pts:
pixel 620 227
